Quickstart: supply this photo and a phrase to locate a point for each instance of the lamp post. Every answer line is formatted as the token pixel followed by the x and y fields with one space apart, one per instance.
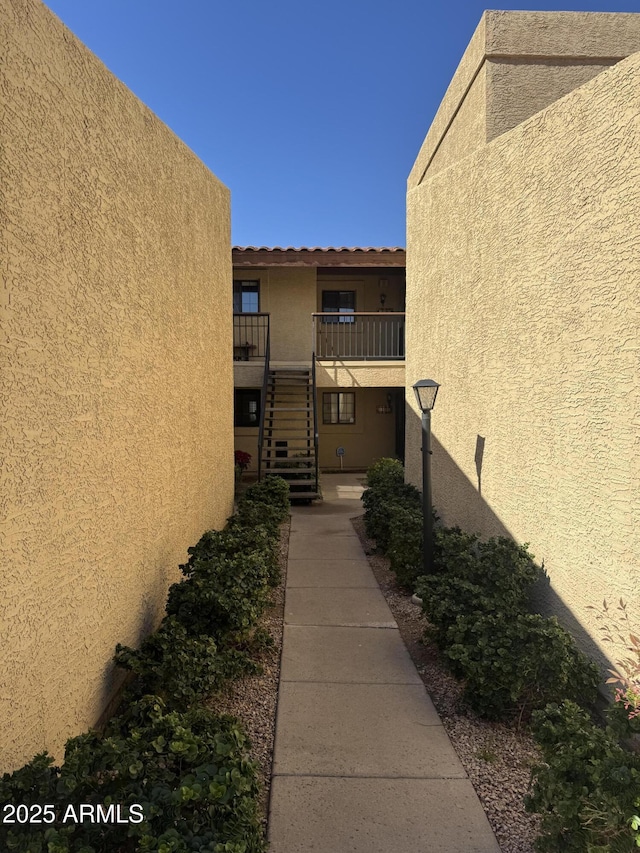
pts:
pixel 426 391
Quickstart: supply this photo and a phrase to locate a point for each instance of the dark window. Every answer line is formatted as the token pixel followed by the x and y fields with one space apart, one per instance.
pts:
pixel 247 407
pixel 338 302
pixel 246 297
pixel 339 407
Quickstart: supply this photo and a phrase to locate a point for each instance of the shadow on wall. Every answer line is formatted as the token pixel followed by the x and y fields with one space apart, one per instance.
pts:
pixel 333 371
pixel 448 480
pixel 115 679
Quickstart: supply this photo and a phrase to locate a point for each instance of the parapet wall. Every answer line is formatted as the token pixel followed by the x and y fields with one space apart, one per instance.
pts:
pixel 516 64
pixel 116 374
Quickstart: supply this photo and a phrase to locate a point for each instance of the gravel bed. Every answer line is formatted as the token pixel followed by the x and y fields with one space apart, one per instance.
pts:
pixel 254 699
pixel 496 756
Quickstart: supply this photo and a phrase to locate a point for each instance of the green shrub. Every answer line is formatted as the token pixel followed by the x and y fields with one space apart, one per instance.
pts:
pixel 384 474
pixel 445 599
pixel 252 514
pixel 272 492
pixel 506 569
pixel 189 772
pixel 223 597
pixel 180 668
pixel 499 566
pixel 405 544
pixel 379 506
pixel 625 723
pixel 587 787
pixel 474 579
pixel 518 664
pixel 452 550
pixel 242 534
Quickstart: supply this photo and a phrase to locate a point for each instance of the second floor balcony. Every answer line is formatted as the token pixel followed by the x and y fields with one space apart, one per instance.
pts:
pixel 359 336
pixel 336 336
pixel 250 336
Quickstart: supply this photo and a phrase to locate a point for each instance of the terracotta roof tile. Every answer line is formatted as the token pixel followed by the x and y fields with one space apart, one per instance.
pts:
pixel 318 249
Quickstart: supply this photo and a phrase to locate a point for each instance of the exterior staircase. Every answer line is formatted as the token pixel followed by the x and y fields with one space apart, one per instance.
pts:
pixel 288 430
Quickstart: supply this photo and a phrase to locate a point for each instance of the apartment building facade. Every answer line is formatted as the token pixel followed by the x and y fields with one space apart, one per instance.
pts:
pixel 319 349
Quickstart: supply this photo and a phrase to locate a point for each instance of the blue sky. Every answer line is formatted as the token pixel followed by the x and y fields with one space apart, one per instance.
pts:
pixel 311 113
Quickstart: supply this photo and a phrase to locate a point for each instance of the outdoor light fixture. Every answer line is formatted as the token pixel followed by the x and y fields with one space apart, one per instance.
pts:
pixel 426 391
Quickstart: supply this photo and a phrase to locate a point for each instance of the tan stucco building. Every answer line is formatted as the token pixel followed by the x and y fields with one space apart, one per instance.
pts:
pixel 523 300
pixel 342 309
pixel 116 375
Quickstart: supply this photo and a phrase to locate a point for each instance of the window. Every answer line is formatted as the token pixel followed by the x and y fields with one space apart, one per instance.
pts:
pixel 247 407
pixel 339 408
pixel 338 302
pixel 246 297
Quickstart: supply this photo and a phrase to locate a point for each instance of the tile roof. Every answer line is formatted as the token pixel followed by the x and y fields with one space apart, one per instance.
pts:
pixel 362 257
pixel 318 249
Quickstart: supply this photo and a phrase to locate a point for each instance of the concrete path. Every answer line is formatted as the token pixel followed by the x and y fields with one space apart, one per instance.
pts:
pixel 362 763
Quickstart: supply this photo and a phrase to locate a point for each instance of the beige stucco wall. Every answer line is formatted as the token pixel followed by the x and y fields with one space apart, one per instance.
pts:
pixel 368 286
pixel 370 437
pixel 516 64
pixel 360 374
pixel 116 375
pixel 468 129
pixel 529 252
pixel 248 374
pixel 289 296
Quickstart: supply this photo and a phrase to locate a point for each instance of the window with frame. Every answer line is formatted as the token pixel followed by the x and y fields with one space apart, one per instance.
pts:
pixel 246 412
pixel 246 297
pixel 339 407
pixel 338 302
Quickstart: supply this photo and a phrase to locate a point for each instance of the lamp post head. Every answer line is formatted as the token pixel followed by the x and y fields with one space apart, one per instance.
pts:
pixel 426 393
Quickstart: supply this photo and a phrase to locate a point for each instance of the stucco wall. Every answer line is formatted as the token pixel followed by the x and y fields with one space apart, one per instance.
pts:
pixel 289 296
pixel 528 250
pixel 360 374
pixel 370 437
pixel 516 64
pixel 116 374
pixel 368 286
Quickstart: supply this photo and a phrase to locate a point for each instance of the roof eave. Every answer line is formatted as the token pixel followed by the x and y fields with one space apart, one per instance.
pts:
pixel 278 256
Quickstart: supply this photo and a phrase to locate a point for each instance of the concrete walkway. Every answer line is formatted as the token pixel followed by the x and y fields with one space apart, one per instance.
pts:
pixel 362 763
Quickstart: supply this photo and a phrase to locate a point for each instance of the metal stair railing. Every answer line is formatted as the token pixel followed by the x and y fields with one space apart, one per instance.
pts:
pixel 314 401
pixel 263 399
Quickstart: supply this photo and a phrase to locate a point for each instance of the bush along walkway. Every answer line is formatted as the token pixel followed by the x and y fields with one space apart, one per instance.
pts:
pixel 517 665
pixel 362 763
pixel 168 775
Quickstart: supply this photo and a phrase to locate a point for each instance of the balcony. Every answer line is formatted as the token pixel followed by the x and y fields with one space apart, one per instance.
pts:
pixel 359 336
pixel 250 336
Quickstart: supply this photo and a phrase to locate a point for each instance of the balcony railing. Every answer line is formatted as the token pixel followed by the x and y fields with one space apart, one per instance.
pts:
pixel 359 336
pixel 250 336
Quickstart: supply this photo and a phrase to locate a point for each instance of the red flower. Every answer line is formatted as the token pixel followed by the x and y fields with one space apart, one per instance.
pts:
pixel 242 459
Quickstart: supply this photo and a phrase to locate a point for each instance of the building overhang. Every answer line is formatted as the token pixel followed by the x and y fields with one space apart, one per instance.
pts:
pixel 278 256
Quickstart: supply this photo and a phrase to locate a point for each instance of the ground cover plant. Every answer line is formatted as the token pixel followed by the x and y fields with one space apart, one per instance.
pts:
pixel 515 665
pixel 177 774
pixel 587 789
pixel 186 774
